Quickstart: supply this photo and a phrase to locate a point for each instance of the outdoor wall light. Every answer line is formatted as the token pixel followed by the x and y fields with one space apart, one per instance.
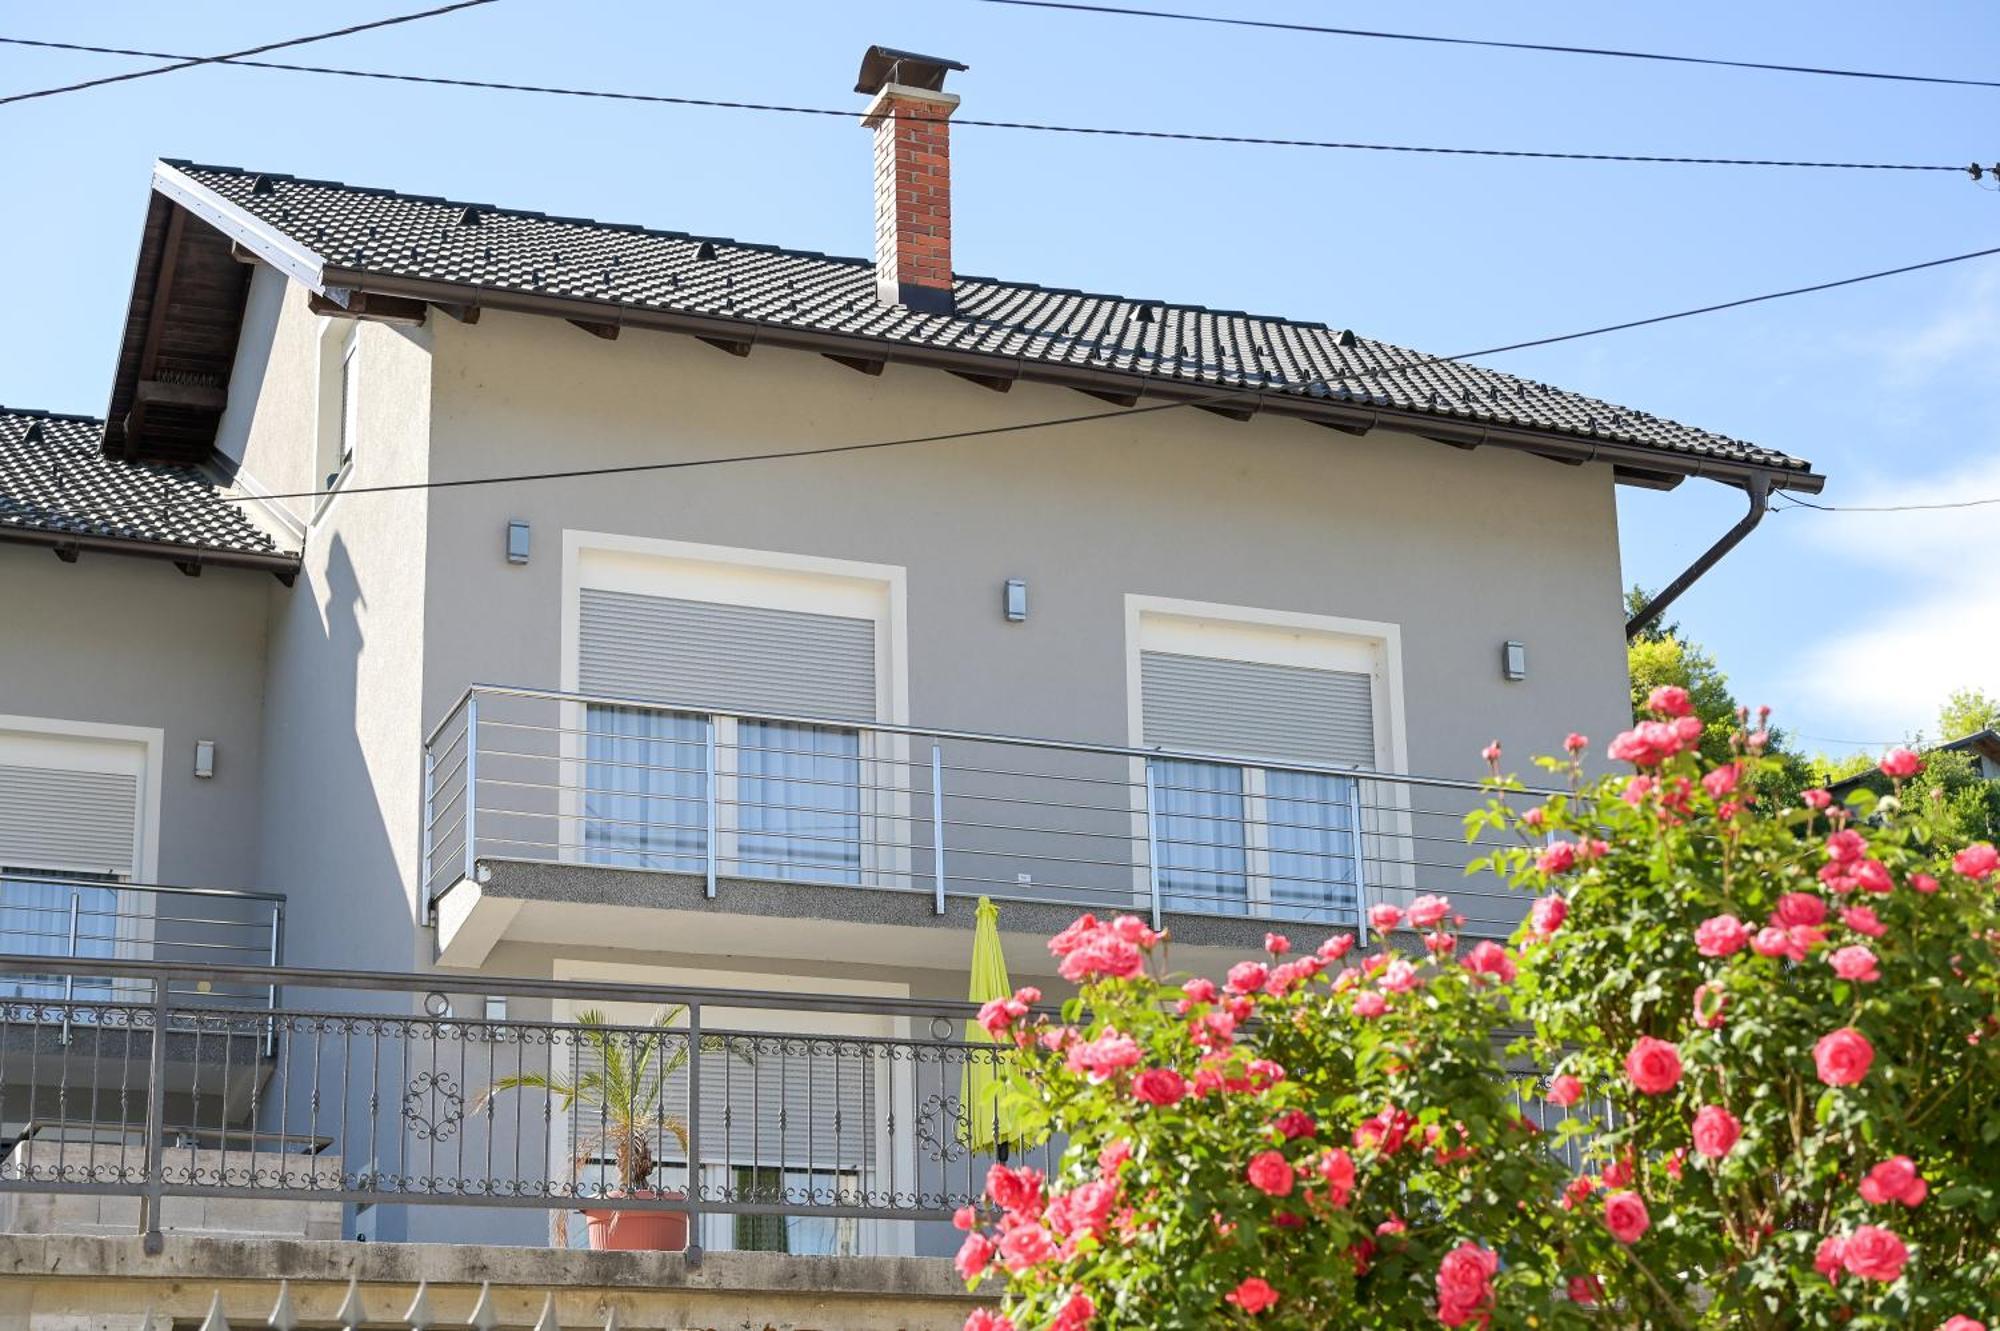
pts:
pixel 1015 600
pixel 517 542
pixel 204 758
pixel 1514 660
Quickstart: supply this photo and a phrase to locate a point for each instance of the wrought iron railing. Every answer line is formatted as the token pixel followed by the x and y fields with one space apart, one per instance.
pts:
pixel 751 1112
pixel 86 921
pixel 531 775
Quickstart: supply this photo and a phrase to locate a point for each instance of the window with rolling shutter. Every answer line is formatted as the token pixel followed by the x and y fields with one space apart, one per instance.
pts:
pixel 796 809
pixel 1251 838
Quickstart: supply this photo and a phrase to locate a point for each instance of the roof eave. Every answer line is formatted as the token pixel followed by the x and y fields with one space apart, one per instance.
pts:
pixel 283 565
pixel 1643 461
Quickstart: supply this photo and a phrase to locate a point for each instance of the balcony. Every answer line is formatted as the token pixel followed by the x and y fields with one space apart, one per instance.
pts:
pixel 76 1032
pixel 544 810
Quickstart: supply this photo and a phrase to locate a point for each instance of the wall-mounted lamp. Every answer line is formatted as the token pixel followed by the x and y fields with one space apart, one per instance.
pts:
pixel 517 542
pixel 204 758
pixel 1015 601
pixel 1514 660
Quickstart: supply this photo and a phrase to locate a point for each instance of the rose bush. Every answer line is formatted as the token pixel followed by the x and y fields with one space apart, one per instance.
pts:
pixel 1770 1028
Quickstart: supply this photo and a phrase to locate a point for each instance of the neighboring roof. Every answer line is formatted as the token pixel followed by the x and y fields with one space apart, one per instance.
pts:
pixel 58 488
pixel 339 238
pixel 1985 743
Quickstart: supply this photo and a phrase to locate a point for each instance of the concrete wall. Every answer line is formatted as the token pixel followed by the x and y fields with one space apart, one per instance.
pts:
pixel 133 642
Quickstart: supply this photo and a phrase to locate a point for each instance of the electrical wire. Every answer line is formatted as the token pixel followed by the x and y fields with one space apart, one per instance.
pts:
pixel 1232 396
pixel 190 61
pixel 1494 44
pixel 1894 508
pixel 1041 127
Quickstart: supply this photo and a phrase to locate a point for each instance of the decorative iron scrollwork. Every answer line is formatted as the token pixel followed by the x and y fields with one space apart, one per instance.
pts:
pixel 433 1106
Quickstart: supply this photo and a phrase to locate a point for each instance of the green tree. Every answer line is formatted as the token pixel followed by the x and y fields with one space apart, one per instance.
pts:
pixel 1967 712
pixel 1662 654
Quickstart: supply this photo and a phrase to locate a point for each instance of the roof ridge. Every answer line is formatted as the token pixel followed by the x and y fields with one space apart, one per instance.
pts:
pixel 40 414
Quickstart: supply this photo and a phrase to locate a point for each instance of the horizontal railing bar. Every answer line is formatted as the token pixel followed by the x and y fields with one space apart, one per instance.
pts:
pixel 1016 741
pixel 58 880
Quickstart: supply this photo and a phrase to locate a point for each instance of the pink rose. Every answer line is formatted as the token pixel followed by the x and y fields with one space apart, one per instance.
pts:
pixel 1923 882
pixel 1653 1066
pixel 1669 700
pixel 1075 1313
pixel 1294 1124
pixel 1369 1004
pixel 1159 1086
pixel 1017 1191
pixel 1491 753
pixel 1253 1296
pixel 1771 941
pixel 1687 730
pixel 1873 876
pixel 1336 947
pixel 1399 977
pixel 1716 1131
pixel 1269 1172
pixel 1863 921
pixel 1625 1216
pixel 1720 936
pixel 1277 944
pixel 1564 1091
pixel 1427 910
pixel 1024 1246
pixel 1845 846
pixel 1854 963
pixel 1336 1169
pixel 1575 743
pixel 1817 799
pixel 985 1319
pixel 1976 861
pixel 1829 1258
pixel 1894 1180
pixel 1799 908
pixel 1548 915
pixel 1101 953
pixel 1070 939
pixel 1133 930
pixel 1557 857
pixel 1247 977
pixel 1901 764
pixel 1843 1057
pixel 974 1256
pixel 1960 1322
pixel 1585 1290
pixel 1102 1058
pixel 1384 917
pixel 1489 958
pixel 1722 780
pixel 1873 1253
pixel 1200 990
pixel 1465 1284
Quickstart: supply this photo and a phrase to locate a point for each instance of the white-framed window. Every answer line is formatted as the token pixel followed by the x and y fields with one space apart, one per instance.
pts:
pixel 338 425
pixel 1262 822
pixel 350 403
pixel 79 814
pixel 704 633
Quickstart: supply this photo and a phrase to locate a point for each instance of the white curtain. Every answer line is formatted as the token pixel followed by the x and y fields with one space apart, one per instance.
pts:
pixel 1198 824
pixel 798 810
pixel 35 921
pixel 1310 832
pixel 645 803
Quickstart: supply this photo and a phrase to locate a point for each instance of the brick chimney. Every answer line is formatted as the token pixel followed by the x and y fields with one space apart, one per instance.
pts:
pixel 911 115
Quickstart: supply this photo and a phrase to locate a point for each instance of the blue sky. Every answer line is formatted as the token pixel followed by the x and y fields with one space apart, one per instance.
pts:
pixel 1852 625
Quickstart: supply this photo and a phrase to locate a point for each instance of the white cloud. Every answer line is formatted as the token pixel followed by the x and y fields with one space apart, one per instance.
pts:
pixel 1883 670
pixel 1967 329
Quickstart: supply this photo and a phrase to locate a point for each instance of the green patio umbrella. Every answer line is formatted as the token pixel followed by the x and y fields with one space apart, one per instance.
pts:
pixel 990 1124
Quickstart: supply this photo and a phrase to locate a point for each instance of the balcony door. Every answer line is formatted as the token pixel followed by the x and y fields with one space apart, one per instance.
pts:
pixel 790 797
pixel 1269 832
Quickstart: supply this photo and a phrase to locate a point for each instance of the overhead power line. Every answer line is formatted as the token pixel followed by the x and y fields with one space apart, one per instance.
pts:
pixel 1546 47
pixel 1894 508
pixel 1184 136
pixel 190 61
pixel 685 464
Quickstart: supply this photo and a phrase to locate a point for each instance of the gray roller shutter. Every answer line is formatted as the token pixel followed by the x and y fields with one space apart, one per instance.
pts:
pixel 1252 709
pixel 728 657
pixel 56 819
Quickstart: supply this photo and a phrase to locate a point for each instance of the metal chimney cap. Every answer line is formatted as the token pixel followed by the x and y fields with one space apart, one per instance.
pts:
pixel 882 65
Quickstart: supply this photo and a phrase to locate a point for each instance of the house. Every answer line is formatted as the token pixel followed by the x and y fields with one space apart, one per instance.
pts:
pixel 559 614
pixel 1981 749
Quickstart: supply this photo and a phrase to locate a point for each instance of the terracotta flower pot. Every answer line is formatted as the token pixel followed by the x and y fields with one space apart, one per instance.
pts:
pixel 638 1230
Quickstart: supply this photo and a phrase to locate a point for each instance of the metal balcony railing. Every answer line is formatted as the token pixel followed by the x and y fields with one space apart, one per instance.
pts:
pixel 533 775
pixel 90 920
pixel 761 1112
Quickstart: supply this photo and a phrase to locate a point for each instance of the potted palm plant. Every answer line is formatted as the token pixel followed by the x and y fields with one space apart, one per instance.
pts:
pixel 625 1093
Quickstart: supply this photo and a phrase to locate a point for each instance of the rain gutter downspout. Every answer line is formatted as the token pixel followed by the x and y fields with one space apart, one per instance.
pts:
pixel 1758 487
